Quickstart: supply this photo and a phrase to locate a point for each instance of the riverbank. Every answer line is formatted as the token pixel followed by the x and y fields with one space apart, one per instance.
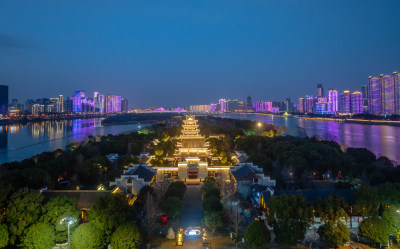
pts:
pixel 56 117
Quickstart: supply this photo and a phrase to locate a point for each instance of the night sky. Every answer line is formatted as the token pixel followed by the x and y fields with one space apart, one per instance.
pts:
pixel 176 53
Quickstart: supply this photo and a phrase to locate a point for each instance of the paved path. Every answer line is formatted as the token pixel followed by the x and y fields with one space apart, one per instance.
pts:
pixel 191 207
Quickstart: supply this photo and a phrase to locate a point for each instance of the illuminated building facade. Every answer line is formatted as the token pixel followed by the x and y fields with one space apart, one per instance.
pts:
pixel 387 93
pixel 260 106
pixel 124 105
pixel 321 106
pixel 345 103
pixel 333 101
pixel 113 103
pixel 375 98
pixel 320 90
pixel 309 104
pixel 301 105
pixel 356 103
pixel 222 105
pixel 77 101
pixel 396 86
pixel 268 106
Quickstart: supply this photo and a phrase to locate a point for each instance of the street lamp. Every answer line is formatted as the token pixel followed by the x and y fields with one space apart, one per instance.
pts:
pixel 259 126
pixel 69 221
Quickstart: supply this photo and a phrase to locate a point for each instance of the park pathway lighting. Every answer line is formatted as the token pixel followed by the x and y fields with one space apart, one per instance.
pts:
pixel 259 126
pixel 69 221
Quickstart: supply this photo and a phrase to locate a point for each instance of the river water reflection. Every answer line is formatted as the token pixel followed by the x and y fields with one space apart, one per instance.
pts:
pixel 25 140
pixel 383 140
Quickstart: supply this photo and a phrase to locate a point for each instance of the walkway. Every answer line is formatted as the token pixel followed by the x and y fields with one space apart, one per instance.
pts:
pixel 191 207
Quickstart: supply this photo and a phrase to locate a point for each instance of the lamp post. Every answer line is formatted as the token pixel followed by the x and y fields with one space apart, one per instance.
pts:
pixel 259 126
pixel 69 221
pixel 290 173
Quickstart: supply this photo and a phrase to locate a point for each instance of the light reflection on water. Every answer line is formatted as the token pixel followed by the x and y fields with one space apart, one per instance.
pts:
pixel 383 140
pixel 25 140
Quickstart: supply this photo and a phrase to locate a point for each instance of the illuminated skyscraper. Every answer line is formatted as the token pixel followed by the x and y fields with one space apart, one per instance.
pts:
pixel 387 93
pixel 396 83
pixel 320 90
pixel 222 104
pixel 356 102
pixel 113 103
pixel 99 102
pixel 3 99
pixel 374 98
pixel 60 106
pixel 268 106
pixel 333 103
pixel 301 105
pixel 321 106
pixel 260 106
pixel 345 102
pixel 309 107
pixel 77 101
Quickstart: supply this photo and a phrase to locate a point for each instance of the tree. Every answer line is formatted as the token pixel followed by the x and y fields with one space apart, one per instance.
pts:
pixel 212 220
pixel 212 204
pixel 290 216
pixel 127 236
pixel 257 235
pixel 152 212
pixel 336 233
pixel 108 212
pixel 366 200
pixel 55 210
pixel 39 236
pixel 172 206
pixel 4 236
pixel 233 210
pixel 23 210
pixel 86 236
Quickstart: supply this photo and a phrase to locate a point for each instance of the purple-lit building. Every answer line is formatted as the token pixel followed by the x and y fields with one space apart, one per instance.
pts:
pixel 113 103
pixel 275 110
pixel 374 101
pixel 309 104
pixel 396 84
pixel 345 102
pixel 333 103
pixel 356 103
pixel 260 106
pixel 77 101
pixel 99 102
pixel 321 106
pixel 268 106
pixel 222 104
pixel 387 93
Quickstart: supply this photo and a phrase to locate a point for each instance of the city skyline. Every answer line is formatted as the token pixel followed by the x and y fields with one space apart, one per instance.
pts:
pixel 270 50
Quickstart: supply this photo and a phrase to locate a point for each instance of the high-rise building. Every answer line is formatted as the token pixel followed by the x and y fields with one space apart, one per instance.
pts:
pixel 309 105
pixel 249 106
pixel 356 102
pixel 3 99
pixel 345 102
pixel 375 95
pixel 301 105
pixel 113 103
pixel 396 84
pixel 99 102
pixel 77 101
pixel 321 106
pixel 268 106
pixel 260 106
pixel 37 109
pixel 320 90
pixel 223 105
pixel 333 102
pixel 387 93
pixel 124 105
pixel 289 105
pixel 60 106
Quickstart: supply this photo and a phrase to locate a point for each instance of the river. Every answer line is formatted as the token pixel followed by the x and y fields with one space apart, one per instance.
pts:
pixel 383 140
pixel 25 140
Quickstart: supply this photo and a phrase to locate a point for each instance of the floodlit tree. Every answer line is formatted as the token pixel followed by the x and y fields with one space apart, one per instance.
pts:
pixel 4 236
pixel 127 236
pixel 86 236
pixel 23 210
pixel 152 212
pixel 172 206
pixel 39 236
pixel 257 235
pixel 109 212
pixel 233 209
pixel 212 220
pixel 55 210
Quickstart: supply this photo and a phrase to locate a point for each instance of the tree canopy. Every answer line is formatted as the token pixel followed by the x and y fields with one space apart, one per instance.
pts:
pixel 87 235
pixel 126 236
pixel 39 236
pixel 257 235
